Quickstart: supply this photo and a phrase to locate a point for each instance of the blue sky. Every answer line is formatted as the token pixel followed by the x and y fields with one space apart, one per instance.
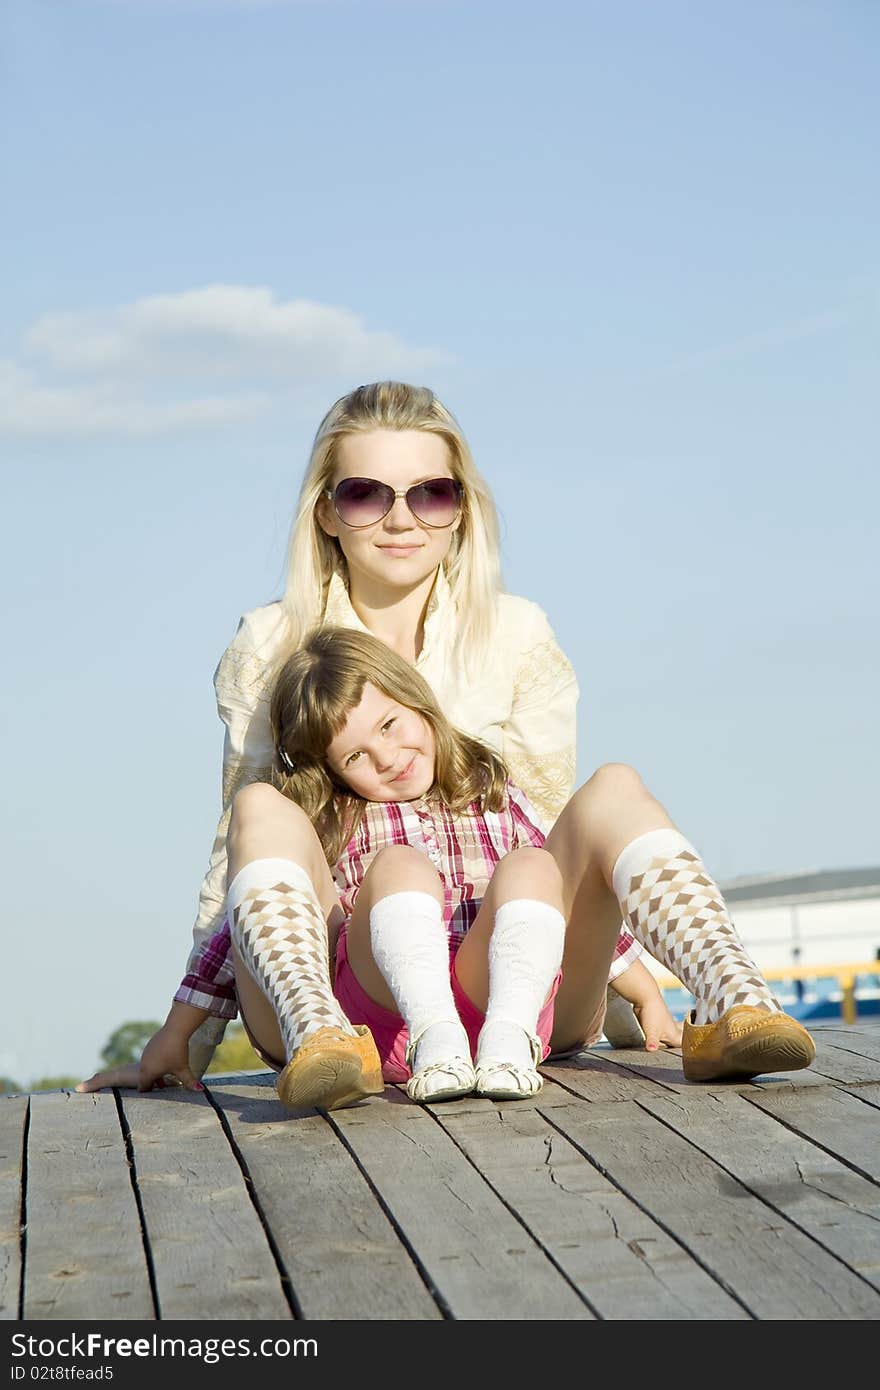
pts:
pixel 633 247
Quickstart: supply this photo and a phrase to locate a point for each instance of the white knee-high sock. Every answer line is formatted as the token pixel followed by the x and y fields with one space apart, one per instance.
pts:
pixel 675 910
pixel 277 924
pixel 411 948
pixel 525 953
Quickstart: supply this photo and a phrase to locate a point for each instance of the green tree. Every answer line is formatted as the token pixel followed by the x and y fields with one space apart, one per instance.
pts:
pixel 127 1043
pixel 8 1086
pixel 54 1083
pixel 235 1053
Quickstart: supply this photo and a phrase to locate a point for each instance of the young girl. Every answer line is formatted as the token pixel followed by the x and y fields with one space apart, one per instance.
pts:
pixel 452 930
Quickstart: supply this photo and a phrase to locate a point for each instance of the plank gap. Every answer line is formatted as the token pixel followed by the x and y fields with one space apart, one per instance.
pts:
pixel 22 1240
pixel 530 1234
pixel 651 1215
pixel 832 1153
pixel 286 1284
pixel 423 1274
pixel 132 1174
pixel 756 1192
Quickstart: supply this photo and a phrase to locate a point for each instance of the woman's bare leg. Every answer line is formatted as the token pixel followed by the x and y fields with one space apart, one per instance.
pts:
pixel 621 858
pixel 266 825
pixel 281 901
pixel 603 816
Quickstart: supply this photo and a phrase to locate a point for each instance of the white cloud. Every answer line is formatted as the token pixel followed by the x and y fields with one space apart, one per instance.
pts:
pixel 145 367
pixel 31 410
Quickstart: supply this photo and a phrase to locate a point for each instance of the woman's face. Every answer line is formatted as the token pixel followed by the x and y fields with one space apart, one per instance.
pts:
pixel 385 752
pixel 399 551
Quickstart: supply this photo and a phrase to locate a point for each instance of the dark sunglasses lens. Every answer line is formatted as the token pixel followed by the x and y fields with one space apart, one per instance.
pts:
pixel 435 502
pixel 360 501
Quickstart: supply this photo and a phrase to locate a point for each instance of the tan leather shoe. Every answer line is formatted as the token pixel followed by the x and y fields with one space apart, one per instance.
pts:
pixel 745 1042
pixel 332 1069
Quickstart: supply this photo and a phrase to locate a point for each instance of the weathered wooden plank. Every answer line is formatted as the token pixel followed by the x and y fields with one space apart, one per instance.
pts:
pixel 622 1262
pixel 211 1258
pixel 842 1123
pixel 623 1075
pixel 553 1092
pixel 868 1093
pixel 342 1254
pixel 771 1267
pixel 664 1068
pixel 816 1192
pixel 85 1253
pixel 479 1258
pixel 842 1065
pixel 13 1114
pixel 863 1041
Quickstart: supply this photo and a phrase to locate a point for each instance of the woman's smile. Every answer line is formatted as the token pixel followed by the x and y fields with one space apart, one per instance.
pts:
pixel 401 551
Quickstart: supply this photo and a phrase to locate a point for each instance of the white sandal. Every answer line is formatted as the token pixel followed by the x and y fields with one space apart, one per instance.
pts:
pixel 500 1080
pixel 442 1080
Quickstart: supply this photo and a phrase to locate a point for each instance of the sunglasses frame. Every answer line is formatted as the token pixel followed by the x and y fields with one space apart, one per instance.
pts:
pixel 330 494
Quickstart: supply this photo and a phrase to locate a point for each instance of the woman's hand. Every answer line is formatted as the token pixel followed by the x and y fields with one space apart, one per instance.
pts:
pixel 657 1024
pixel 128 1075
pixel 167 1055
pixel 164 1060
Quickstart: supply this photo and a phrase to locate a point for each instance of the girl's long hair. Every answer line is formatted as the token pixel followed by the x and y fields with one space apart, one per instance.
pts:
pixel 472 564
pixel 314 693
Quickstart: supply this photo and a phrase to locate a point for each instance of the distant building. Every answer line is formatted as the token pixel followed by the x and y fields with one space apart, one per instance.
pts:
pixel 826 918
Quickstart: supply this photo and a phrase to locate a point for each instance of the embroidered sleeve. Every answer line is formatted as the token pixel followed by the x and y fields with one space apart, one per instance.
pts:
pixel 539 736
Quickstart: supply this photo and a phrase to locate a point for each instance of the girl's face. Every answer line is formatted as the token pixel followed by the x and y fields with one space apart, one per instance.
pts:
pixel 397 552
pixel 385 752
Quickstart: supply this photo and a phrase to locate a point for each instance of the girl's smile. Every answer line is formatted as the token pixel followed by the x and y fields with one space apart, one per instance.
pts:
pixel 385 750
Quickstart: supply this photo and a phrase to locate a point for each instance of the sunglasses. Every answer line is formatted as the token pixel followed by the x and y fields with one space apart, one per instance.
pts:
pixel 364 501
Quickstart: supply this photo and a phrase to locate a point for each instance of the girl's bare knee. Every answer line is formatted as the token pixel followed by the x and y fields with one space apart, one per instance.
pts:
pixel 402 867
pixel 534 868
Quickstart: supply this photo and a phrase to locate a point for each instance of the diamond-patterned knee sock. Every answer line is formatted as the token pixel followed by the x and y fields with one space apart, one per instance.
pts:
pixel 278 927
pixel 675 910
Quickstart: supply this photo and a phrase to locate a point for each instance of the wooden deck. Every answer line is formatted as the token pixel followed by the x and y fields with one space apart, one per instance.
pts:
pixel 621 1191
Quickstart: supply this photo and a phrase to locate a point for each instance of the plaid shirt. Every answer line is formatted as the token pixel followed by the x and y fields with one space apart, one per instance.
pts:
pixel 464 847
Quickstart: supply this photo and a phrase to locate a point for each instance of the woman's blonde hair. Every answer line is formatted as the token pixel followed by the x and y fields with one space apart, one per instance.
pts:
pixel 472 564
pixel 314 693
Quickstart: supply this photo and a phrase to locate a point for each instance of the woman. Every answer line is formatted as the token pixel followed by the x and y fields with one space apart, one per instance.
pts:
pixel 396 534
